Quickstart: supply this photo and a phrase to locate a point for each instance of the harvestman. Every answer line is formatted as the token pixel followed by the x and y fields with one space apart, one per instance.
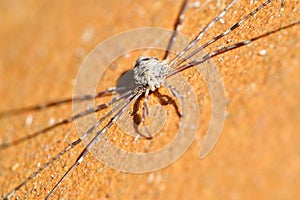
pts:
pixel 149 75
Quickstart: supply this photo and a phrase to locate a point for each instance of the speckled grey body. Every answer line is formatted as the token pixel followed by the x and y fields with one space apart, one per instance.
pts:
pixel 150 72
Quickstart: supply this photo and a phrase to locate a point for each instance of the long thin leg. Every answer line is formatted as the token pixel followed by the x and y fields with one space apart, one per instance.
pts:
pixel 227 48
pixel 92 142
pixel 175 93
pixel 146 114
pixel 178 25
pixel 201 33
pixel 56 103
pixel 73 144
pixel 252 13
pixel 65 121
pixel 146 106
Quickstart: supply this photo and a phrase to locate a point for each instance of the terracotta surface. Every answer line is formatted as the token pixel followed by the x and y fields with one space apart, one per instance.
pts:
pixel 257 156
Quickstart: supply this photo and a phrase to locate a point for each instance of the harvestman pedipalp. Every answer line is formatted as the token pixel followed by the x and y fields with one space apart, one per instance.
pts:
pixel 149 75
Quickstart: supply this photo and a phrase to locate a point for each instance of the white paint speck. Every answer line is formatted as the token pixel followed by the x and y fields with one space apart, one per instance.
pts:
pixel 150 178
pixel 136 138
pixel 51 121
pixel 195 4
pixel 15 167
pixel 262 52
pixel 87 34
pixel 28 120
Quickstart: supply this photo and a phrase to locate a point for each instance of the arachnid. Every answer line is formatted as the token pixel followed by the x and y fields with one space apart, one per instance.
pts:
pixel 147 79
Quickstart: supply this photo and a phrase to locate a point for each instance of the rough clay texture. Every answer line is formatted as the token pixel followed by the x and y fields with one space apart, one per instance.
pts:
pixel 257 156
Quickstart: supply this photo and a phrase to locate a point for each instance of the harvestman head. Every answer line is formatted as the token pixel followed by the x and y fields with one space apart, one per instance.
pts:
pixel 149 75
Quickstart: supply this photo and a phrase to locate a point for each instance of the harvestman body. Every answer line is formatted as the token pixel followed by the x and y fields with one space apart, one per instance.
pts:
pixel 149 75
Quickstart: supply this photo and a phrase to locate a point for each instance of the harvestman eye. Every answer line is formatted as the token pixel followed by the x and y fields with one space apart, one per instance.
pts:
pixel 149 75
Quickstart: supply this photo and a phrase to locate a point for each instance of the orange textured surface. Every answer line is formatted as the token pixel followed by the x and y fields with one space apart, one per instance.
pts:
pixel 257 156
